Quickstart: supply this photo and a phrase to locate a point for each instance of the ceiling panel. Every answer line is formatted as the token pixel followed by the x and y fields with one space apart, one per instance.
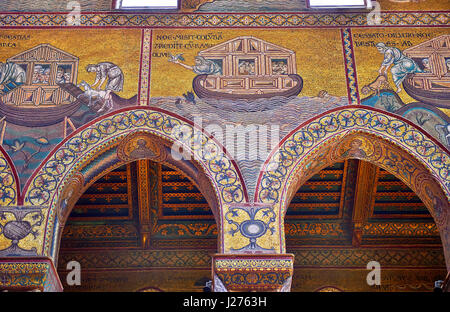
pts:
pixel 395 200
pixel 322 196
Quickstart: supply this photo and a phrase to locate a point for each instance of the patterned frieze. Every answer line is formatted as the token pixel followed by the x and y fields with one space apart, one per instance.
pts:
pixel 226 19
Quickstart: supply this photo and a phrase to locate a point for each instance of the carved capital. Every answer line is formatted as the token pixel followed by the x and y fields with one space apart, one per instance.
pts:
pixel 244 272
pixel 29 274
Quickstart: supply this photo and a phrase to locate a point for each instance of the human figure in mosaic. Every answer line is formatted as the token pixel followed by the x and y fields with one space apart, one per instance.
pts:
pixel 60 75
pixel 202 66
pixel 107 71
pixel 438 205
pixel 426 65
pixel 141 151
pixel 401 64
pixel 355 150
pixel 65 202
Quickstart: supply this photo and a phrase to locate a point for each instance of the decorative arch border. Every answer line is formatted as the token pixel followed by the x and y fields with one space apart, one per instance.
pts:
pixel 295 149
pixel 9 180
pixel 111 156
pixel 47 183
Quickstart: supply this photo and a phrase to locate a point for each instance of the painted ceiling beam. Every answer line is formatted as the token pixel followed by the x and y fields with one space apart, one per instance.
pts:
pixel 365 189
pixel 144 202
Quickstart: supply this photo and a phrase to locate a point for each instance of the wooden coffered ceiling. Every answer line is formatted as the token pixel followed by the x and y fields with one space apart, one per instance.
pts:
pixel 351 203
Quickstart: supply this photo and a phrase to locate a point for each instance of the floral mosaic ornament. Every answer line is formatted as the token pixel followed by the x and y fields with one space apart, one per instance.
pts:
pixel 8 191
pixel 20 223
pixel 252 221
pixel 70 153
pixel 370 148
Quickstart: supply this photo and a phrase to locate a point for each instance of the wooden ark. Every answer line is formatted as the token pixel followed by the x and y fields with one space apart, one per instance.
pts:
pixel 250 68
pixel 432 86
pixel 45 67
pixel 42 99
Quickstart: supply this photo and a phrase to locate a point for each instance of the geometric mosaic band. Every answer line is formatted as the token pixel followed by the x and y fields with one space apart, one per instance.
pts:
pixel 304 257
pixel 226 20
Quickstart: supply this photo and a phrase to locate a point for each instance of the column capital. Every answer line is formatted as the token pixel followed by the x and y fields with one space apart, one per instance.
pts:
pixel 29 274
pixel 252 272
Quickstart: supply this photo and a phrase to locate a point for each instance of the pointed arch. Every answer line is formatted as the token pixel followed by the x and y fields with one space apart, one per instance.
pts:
pixel 99 146
pixel 383 139
pixel 9 180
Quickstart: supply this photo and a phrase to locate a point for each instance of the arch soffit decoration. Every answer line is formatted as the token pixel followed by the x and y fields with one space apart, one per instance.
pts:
pixel 273 180
pixel 155 149
pixel 76 185
pixel 370 148
pixel 376 136
pixel 60 171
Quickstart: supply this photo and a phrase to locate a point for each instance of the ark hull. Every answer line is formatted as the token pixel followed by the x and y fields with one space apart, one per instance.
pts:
pixel 203 92
pixel 434 98
pixel 37 116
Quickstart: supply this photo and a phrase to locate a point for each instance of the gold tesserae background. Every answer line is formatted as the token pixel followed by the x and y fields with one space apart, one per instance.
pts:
pixel 319 56
pixel 119 46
